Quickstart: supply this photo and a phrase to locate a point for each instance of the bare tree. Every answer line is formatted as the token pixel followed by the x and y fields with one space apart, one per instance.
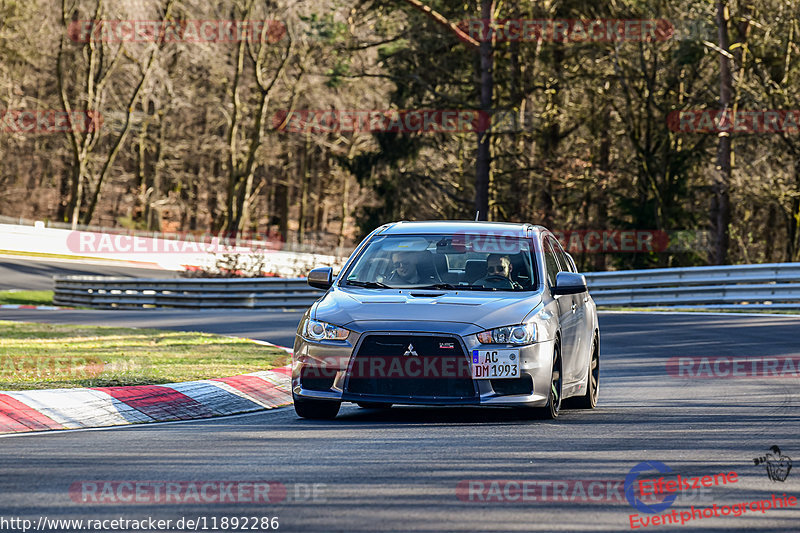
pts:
pixel 721 207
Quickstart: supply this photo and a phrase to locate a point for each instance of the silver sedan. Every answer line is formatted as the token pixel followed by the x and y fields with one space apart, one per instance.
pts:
pixel 450 313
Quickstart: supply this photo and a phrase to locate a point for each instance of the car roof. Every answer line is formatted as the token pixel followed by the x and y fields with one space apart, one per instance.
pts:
pixel 458 226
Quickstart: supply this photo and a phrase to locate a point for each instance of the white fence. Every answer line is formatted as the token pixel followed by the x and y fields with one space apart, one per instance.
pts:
pixel 161 251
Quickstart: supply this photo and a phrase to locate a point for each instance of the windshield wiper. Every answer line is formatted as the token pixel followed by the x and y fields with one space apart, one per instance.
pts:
pixel 368 284
pixel 449 286
pixel 437 286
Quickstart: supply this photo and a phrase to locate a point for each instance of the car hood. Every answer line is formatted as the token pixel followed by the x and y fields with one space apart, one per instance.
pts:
pixel 484 309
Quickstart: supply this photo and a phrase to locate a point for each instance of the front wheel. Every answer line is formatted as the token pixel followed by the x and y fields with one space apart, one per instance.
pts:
pixel 551 410
pixel 589 400
pixel 315 409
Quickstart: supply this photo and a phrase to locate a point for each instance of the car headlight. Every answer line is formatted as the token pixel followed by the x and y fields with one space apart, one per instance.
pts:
pixel 322 331
pixel 519 334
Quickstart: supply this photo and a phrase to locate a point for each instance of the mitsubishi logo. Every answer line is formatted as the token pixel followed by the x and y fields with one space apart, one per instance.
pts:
pixel 410 351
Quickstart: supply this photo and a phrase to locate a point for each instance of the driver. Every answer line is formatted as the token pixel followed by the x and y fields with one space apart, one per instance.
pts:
pixel 498 273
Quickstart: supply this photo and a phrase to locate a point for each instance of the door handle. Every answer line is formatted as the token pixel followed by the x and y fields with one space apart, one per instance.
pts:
pixel 574 306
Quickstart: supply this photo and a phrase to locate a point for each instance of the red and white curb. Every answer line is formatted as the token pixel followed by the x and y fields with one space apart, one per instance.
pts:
pixel 42 410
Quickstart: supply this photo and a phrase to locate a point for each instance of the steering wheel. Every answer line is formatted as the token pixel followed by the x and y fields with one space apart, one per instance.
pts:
pixel 496 281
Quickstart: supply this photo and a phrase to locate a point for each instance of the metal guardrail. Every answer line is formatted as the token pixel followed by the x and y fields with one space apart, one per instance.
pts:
pixel 109 292
pixel 767 286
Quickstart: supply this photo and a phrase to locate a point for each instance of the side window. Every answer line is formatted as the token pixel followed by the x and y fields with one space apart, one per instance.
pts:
pixel 565 265
pixel 550 262
pixel 572 266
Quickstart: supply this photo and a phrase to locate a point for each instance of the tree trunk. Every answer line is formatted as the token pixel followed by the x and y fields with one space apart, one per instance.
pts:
pixel 282 199
pixel 305 178
pixel 345 207
pixel 193 203
pixel 76 191
pixel 721 209
pixel 604 166
pixel 793 237
pixel 551 137
pixel 63 194
pixel 142 184
pixel 484 161
pixel 234 177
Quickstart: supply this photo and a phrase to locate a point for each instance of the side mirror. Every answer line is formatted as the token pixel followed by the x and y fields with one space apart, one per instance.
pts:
pixel 569 283
pixel 321 278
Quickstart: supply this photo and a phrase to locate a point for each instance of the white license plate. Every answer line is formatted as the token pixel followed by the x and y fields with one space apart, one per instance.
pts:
pixel 495 364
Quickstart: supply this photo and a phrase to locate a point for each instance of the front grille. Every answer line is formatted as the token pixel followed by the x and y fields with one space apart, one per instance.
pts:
pixel 411 366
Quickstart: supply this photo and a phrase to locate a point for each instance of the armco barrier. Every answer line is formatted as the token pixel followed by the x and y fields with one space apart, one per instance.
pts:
pixel 107 292
pixel 767 286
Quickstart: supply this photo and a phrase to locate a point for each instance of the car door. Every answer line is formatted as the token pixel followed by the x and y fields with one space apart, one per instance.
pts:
pixel 582 328
pixel 566 311
pixel 587 321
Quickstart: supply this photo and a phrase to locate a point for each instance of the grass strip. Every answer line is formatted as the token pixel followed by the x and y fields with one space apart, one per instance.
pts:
pixel 26 297
pixel 46 356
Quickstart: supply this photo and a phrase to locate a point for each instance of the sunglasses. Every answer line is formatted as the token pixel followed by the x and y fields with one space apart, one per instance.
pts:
pixel 499 268
pixel 398 264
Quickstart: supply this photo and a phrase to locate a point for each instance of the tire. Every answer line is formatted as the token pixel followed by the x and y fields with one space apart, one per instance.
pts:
pixel 553 407
pixel 589 400
pixel 374 405
pixel 315 409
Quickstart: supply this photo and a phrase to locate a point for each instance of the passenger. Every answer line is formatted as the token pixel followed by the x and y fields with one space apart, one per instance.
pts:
pixel 406 270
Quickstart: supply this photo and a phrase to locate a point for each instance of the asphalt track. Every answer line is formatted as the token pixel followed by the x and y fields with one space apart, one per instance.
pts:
pixel 399 470
pixel 274 326
pixel 28 273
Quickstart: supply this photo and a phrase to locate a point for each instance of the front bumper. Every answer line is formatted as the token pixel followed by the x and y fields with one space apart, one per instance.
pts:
pixel 320 371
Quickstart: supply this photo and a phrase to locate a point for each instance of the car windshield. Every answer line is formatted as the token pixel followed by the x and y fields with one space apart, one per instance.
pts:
pixel 446 262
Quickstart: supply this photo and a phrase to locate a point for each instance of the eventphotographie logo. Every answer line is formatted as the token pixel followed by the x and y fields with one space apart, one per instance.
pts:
pixel 632 481
pixel 777 464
